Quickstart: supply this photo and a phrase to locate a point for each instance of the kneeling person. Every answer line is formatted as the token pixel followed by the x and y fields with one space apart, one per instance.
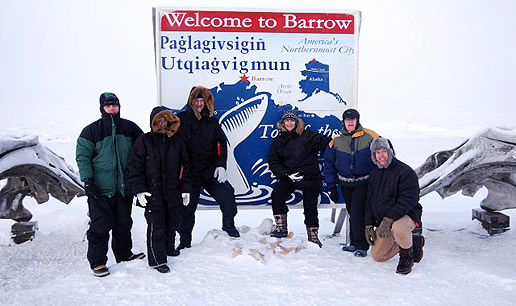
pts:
pixel 392 207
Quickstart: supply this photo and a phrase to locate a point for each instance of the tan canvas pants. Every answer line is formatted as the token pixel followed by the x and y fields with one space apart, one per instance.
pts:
pixel 386 248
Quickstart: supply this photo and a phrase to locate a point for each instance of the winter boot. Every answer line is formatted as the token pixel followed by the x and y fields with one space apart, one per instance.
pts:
pixel 313 235
pixel 418 241
pixel 229 227
pixel 100 271
pixel 133 257
pixel 280 231
pixel 163 269
pixel 360 253
pixel 184 243
pixel 406 261
pixel 349 248
pixel 172 251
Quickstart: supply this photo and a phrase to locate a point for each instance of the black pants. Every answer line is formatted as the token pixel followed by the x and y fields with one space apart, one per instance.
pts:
pixel 224 195
pixel 355 198
pixel 163 220
pixel 109 214
pixel 284 189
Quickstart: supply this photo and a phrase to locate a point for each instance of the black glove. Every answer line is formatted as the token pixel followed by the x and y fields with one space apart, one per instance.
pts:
pixel 384 230
pixel 91 189
pixel 333 194
pixel 370 235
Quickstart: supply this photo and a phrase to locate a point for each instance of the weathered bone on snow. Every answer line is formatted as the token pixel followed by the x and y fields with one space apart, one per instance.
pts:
pixel 486 159
pixel 31 169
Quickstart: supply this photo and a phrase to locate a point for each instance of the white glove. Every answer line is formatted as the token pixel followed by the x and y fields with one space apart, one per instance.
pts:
pixel 295 177
pixel 141 198
pixel 186 198
pixel 335 134
pixel 220 175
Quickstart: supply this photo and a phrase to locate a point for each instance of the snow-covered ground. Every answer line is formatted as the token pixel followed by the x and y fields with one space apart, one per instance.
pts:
pixel 462 265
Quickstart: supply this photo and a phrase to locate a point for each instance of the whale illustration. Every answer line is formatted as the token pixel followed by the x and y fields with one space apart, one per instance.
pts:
pixel 238 123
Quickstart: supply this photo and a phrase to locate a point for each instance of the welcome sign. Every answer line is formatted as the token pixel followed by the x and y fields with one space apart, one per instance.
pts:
pixel 257 65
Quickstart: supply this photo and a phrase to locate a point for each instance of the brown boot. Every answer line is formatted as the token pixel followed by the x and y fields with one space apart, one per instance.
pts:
pixel 406 261
pixel 281 230
pixel 313 233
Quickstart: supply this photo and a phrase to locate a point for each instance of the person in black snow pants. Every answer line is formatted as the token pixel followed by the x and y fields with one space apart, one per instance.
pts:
pixel 347 162
pixel 101 155
pixel 207 151
pixel 293 159
pixel 160 176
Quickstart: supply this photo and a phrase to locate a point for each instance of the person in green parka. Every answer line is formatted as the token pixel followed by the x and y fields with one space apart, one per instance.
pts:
pixel 102 151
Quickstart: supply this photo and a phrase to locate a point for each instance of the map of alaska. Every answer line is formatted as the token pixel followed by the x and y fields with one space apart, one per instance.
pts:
pixel 317 79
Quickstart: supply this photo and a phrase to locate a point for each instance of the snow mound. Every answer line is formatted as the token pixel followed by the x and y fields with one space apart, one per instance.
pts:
pixel 253 243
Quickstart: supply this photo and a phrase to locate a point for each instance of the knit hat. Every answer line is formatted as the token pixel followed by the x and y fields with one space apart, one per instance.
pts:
pixel 351 114
pixel 199 96
pixel 289 114
pixel 108 98
pixel 379 144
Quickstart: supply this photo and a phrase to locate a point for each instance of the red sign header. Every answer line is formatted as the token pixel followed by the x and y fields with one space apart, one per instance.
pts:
pixel 230 21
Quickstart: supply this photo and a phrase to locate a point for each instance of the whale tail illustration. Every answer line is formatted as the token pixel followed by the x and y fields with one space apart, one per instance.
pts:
pixel 238 123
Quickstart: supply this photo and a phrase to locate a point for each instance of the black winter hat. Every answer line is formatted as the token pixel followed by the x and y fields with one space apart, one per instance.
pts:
pixel 108 98
pixel 289 114
pixel 351 114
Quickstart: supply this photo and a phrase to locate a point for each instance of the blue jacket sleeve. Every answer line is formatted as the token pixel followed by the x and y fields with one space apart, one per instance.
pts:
pixel 330 170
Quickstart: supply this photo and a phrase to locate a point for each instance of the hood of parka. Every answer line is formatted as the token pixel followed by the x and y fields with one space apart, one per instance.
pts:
pixel 160 112
pixel 108 98
pixel 299 129
pixel 209 101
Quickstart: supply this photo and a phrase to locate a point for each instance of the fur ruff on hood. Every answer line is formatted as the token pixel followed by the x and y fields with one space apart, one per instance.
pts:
pixel 209 101
pixel 172 126
pixel 300 126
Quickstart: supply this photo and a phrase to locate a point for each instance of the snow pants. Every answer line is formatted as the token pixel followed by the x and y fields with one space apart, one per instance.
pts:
pixel 224 195
pixel 284 189
pixel 386 248
pixel 163 220
pixel 109 214
pixel 355 198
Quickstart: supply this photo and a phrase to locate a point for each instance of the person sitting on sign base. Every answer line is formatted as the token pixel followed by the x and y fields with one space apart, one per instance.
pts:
pixel 293 159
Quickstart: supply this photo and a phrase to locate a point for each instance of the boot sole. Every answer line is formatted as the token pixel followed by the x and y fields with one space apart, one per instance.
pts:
pixel 404 272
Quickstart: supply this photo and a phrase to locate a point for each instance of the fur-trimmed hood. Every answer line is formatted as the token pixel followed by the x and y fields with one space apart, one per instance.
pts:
pixel 300 126
pixel 209 101
pixel 163 112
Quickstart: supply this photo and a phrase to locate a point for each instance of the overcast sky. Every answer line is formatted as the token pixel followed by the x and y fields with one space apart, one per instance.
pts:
pixel 424 66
